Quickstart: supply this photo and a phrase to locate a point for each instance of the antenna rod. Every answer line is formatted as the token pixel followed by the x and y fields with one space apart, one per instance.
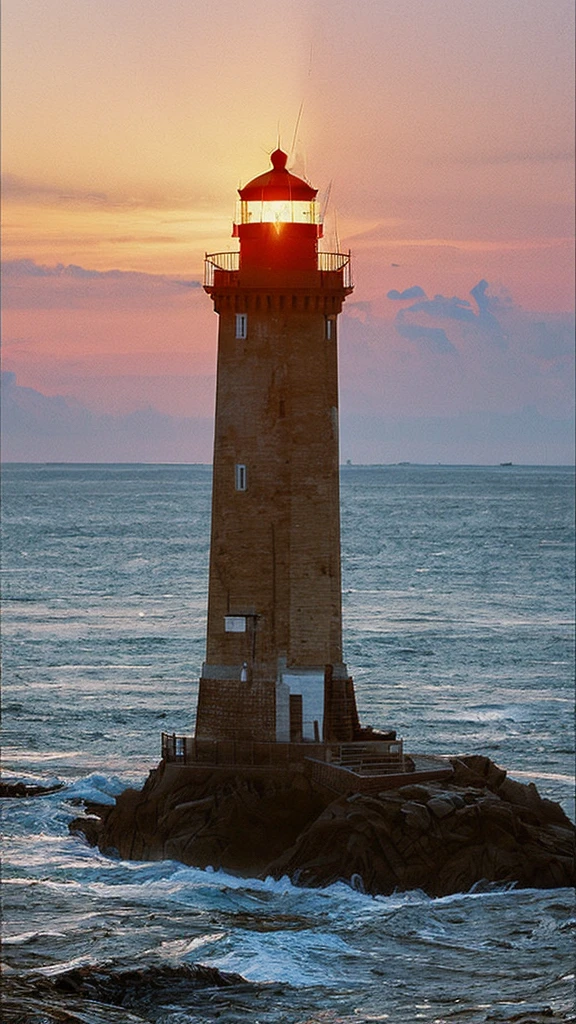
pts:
pixel 298 119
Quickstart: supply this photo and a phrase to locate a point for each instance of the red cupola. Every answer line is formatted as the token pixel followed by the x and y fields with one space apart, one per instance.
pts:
pixel 279 226
pixel 278 184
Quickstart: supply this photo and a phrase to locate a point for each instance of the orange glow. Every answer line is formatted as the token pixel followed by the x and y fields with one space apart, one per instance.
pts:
pixel 278 211
pixel 439 146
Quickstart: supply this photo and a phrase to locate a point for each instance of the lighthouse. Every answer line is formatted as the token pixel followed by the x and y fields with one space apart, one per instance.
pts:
pixel 274 669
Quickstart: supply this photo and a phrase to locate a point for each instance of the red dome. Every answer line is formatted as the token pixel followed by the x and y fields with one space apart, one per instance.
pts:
pixel 277 184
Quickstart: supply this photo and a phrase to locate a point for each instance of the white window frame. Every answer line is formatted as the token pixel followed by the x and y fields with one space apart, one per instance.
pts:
pixel 241 325
pixel 234 623
pixel 240 476
pixel 329 328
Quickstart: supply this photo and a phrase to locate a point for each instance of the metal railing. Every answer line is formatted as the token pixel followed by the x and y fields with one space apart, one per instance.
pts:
pixel 332 262
pixel 229 262
pixel 355 757
pixel 374 758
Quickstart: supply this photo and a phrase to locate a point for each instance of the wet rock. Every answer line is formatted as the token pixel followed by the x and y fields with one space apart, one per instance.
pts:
pixel 138 985
pixel 208 817
pixel 92 993
pixel 442 837
pixel 21 789
pixel 418 792
pixel 441 806
pixel 416 816
pixel 479 767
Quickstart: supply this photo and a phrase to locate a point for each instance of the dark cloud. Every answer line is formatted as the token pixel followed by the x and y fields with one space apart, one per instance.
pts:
pixel 30 285
pixel 440 306
pixel 28 268
pixel 552 342
pixel 415 292
pixel 16 188
pixel 38 193
pixel 434 337
pixel 443 308
pixel 48 428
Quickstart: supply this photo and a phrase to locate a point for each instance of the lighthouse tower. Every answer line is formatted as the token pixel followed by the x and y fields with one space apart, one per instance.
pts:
pixel 274 668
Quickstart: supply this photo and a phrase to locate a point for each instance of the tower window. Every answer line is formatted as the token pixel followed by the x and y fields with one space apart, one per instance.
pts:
pixel 329 323
pixel 234 623
pixel 240 477
pixel 241 325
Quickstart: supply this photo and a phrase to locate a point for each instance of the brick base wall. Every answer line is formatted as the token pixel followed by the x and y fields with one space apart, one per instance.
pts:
pixel 229 709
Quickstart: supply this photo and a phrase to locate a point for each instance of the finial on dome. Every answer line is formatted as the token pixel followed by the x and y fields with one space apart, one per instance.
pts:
pixel 279 160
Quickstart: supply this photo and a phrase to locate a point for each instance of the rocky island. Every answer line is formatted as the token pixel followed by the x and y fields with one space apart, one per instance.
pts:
pixel 280 777
pixel 472 828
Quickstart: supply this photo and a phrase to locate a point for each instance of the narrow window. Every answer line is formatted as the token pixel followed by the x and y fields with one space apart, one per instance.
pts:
pixel 240 477
pixel 296 718
pixel 234 623
pixel 241 325
pixel 329 328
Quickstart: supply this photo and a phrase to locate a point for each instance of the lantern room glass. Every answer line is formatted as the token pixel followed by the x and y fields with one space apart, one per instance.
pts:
pixel 278 211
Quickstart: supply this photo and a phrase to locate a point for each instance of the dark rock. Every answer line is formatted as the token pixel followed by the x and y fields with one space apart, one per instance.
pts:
pixel 367 732
pixel 441 806
pixel 21 789
pixel 416 816
pixel 75 994
pixel 208 817
pixel 480 767
pixel 139 985
pixel 416 791
pixel 442 837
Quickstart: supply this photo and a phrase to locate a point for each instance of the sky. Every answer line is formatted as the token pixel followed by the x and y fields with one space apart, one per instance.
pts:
pixel 439 134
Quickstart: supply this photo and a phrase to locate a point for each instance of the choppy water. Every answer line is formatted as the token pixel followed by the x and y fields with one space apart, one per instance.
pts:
pixel 459 632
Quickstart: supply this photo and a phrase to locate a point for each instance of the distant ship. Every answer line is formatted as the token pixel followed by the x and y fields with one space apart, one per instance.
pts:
pixel 506 463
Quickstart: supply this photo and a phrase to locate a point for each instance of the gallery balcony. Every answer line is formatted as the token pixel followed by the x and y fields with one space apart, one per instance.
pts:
pixel 222 270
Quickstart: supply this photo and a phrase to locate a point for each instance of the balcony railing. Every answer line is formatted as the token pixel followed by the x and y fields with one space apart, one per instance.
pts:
pixel 373 758
pixel 334 261
pixel 229 262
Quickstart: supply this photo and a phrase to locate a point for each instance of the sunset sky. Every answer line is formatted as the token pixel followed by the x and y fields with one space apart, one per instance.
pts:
pixel 439 133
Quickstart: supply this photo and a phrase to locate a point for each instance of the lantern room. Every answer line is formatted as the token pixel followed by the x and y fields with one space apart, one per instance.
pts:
pixel 278 197
pixel 278 223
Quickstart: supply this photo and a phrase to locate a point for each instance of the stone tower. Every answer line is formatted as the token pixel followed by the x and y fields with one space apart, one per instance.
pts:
pixel 274 668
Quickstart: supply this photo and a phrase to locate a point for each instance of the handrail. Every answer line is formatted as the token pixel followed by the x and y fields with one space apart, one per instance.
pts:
pixel 333 260
pixel 355 756
pixel 229 262
pixel 224 260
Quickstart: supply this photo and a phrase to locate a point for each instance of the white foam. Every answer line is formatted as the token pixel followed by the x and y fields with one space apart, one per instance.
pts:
pixel 298 958
pixel 96 789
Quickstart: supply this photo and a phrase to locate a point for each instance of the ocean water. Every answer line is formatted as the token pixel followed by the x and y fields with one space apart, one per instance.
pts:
pixel 458 619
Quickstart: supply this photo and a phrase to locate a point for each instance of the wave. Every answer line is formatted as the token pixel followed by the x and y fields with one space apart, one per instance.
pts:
pixel 96 789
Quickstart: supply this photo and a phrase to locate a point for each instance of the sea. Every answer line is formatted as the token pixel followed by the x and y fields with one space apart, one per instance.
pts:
pixel 459 631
